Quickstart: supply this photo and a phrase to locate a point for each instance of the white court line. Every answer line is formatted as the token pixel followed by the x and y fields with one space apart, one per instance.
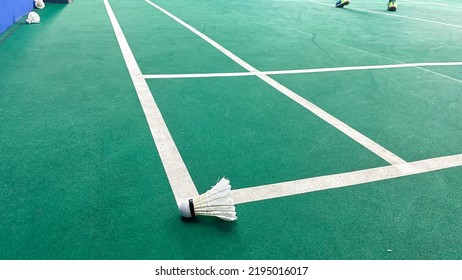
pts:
pixel 390 14
pixel 197 75
pixel 270 191
pixel 347 130
pixel 367 67
pixel 399 62
pixel 301 71
pixel 413 4
pixel 177 173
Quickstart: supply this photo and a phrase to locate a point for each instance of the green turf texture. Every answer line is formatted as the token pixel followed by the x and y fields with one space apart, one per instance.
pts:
pixel 81 177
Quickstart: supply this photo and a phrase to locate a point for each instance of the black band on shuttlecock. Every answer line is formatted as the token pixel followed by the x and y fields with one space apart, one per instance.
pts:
pixel 191 208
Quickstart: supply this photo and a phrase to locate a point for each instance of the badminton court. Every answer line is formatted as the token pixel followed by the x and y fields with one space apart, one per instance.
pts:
pixel 178 175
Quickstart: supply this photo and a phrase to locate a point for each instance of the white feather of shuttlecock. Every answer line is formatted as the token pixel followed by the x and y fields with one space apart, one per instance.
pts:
pixel 39 4
pixel 33 17
pixel 216 202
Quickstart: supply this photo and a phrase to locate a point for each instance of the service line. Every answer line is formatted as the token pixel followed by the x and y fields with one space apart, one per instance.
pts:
pixel 270 191
pixel 302 71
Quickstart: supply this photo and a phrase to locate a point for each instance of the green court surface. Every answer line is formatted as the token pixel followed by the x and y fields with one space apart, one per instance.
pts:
pixel 339 129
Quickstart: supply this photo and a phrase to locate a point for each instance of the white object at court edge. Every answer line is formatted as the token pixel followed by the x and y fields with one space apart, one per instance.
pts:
pixel 216 202
pixel 33 17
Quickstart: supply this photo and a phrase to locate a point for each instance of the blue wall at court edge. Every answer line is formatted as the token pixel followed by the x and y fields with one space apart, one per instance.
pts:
pixel 12 10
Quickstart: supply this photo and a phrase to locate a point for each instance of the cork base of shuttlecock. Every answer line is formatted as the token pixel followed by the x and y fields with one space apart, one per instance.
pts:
pixel 187 209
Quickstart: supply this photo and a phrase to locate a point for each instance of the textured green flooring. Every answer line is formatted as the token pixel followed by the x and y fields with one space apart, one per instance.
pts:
pixel 80 176
pixel 414 113
pixel 80 173
pixel 248 130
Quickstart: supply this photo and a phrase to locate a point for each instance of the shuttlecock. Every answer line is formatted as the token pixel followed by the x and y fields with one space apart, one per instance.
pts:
pixel 39 4
pixel 216 202
pixel 33 17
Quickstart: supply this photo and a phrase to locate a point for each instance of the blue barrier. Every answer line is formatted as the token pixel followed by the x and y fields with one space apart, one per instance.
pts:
pixel 12 10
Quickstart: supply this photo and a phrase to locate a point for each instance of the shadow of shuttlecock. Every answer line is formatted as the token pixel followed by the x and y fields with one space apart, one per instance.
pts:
pixel 212 222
